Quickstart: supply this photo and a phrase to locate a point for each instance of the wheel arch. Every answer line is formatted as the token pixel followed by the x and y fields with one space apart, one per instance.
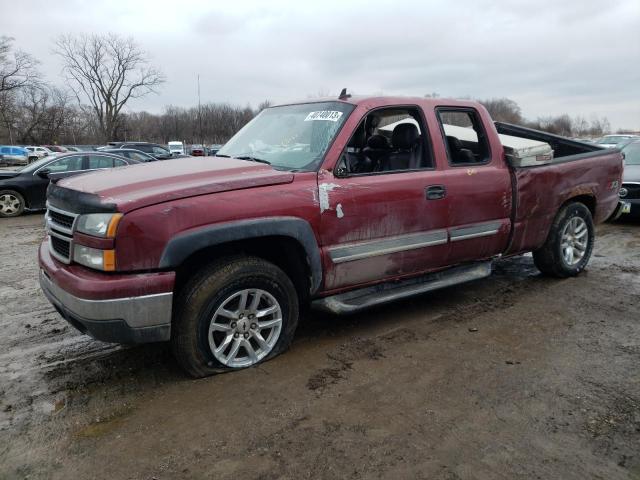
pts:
pixel 288 242
pixel 588 199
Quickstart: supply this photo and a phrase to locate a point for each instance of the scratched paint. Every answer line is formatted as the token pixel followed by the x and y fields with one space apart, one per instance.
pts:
pixel 324 189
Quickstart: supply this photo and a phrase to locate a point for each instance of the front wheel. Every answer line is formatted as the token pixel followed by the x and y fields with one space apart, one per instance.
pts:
pixel 234 314
pixel 11 203
pixel 570 242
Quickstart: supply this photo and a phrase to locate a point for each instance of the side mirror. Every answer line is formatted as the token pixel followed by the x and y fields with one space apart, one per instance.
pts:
pixel 44 173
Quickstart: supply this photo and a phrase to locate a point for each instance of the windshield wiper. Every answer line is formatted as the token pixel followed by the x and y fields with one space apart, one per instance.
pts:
pixel 223 155
pixel 253 159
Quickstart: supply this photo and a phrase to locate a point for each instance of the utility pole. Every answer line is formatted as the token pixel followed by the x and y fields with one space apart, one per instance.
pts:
pixel 200 114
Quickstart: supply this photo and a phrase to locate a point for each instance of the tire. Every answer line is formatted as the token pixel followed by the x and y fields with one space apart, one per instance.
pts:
pixel 569 245
pixel 11 203
pixel 216 293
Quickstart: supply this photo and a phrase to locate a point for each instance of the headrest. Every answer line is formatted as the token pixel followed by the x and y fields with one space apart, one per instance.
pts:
pixel 359 138
pixel 404 136
pixel 371 123
pixel 378 142
pixel 454 144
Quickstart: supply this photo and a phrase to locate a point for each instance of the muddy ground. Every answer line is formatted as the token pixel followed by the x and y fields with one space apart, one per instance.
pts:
pixel 547 387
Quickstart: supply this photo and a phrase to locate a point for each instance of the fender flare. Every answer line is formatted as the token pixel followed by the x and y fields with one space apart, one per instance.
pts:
pixel 184 244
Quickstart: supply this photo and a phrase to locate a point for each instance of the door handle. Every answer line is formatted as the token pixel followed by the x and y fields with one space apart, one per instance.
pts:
pixel 435 192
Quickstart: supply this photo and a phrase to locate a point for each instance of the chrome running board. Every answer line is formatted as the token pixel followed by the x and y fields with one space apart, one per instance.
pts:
pixel 362 298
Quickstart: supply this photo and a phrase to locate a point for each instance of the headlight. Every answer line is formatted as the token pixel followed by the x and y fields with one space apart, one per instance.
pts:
pixel 99 224
pixel 95 258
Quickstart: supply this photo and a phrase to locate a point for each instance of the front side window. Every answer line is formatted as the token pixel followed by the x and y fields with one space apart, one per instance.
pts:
pixel 465 138
pixel 67 164
pixel 290 137
pixel 387 140
pixel 137 156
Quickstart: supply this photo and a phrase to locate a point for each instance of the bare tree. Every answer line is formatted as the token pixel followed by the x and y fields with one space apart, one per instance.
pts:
pixel 17 71
pixel 503 110
pixel 17 68
pixel 108 71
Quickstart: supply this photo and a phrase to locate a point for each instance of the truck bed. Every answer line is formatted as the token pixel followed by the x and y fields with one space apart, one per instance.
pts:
pixel 564 149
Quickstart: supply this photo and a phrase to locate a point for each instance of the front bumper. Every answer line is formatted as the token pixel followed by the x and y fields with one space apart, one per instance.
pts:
pixel 141 318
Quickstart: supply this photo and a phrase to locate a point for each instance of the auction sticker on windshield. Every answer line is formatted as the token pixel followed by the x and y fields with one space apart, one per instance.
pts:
pixel 330 115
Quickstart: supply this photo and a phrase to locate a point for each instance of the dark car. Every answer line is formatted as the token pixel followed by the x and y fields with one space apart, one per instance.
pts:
pixel 153 149
pixel 131 153
pixel 213 149
pixel 26 189
pixel 630 189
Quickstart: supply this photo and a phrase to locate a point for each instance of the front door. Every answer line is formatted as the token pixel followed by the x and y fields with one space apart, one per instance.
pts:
pixel 383 208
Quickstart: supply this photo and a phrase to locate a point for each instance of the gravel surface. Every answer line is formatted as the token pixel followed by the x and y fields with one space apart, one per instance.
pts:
pixel 516 376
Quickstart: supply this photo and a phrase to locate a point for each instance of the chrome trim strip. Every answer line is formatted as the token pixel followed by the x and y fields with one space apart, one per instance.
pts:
pixel 358 251
pixel 143 311
pixel 474 231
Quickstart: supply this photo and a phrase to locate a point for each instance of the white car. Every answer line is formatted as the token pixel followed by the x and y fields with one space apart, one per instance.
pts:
pixel 41 152
pixel 616 141
pixel 176 148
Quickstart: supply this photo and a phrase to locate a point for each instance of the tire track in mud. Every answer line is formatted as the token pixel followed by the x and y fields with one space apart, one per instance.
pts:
pixel 504 292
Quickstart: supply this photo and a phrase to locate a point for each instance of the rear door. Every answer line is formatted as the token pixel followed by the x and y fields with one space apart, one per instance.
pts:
pixel 383 214
pixel 478 185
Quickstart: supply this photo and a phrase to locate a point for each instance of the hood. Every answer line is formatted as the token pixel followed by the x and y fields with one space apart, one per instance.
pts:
pixel 149 183
pixel 631 173
pixel 9 174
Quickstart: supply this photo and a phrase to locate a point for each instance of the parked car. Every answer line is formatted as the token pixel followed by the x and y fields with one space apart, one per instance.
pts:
pixel 15 155
pixel 198 151
pixel 213 149
pixel 311 204
pixel 615 141
pixel 25 189
pixel 39 152
pixel 56 148
pixel 72 148
pixel 154 149
pixel 176 148
pixel 131 153
pixel 630 190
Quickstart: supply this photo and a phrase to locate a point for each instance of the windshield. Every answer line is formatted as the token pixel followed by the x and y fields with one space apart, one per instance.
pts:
pixel 292 137
pixel 35 165
pixel 632 154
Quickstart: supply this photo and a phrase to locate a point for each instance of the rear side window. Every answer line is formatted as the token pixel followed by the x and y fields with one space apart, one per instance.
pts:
pixel 465 138
pixel 5 150
pixel 97 161
pixel 119 163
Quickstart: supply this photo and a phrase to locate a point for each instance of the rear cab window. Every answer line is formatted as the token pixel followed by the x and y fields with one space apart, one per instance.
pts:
pixel 465 138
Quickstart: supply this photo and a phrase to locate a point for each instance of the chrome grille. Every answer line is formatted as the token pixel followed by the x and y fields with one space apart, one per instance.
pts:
pixel 60 246
pixel 60 225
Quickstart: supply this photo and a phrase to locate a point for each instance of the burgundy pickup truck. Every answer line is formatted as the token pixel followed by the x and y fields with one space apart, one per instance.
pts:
pixel 340 204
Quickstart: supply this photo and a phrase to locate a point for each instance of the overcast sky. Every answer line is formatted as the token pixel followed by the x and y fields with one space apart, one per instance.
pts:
pixel 580 57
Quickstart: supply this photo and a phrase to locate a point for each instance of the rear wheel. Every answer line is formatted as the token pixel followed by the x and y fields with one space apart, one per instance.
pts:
pixel 570 242
pixel 234 314
pixel 11 203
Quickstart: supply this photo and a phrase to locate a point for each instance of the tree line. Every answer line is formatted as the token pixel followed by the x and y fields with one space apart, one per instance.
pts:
pixel 103 73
